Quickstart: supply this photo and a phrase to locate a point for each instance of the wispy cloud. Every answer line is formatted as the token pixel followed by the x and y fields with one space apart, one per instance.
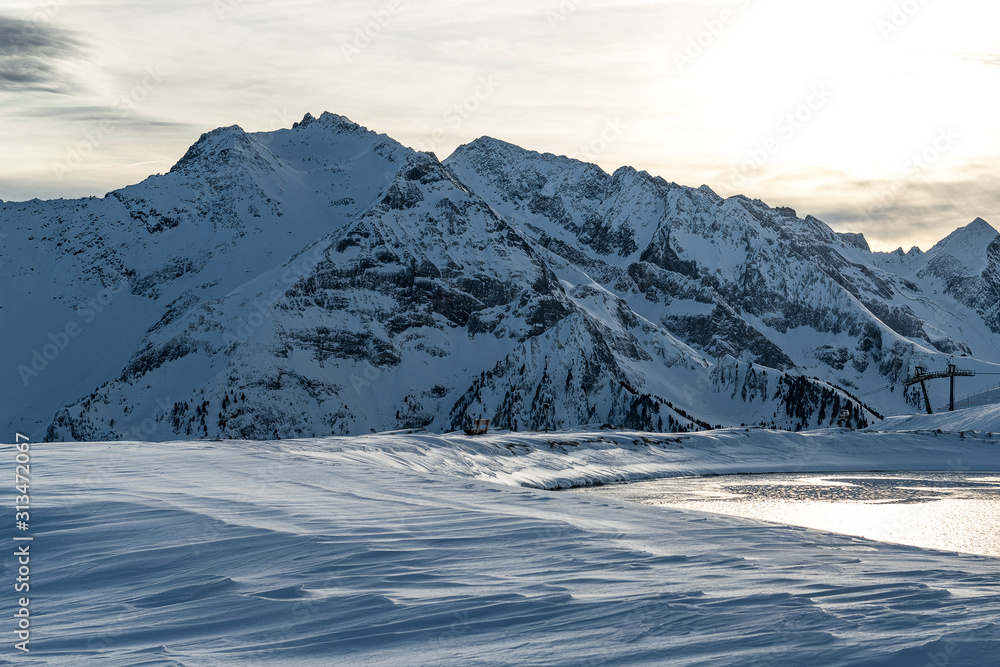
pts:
pixel 564 72
pixel 921 212
pixel 32 55
pixel 989 59
pixel 90 114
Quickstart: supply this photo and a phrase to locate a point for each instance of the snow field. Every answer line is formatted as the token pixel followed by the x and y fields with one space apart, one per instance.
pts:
pixel 412 549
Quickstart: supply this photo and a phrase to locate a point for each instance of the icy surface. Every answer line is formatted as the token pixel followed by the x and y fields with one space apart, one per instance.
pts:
pixel 406 549
pixel 946 511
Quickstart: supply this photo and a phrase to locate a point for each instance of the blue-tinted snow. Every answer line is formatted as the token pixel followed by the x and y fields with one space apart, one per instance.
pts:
pixel 405 550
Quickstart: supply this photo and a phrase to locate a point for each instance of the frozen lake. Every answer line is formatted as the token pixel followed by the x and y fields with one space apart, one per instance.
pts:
pixel 947 510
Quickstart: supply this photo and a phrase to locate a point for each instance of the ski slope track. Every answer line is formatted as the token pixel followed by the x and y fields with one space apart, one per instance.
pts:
pixel 325 279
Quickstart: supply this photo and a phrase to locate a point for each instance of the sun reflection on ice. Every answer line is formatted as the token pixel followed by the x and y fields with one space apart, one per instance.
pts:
pixel 945 511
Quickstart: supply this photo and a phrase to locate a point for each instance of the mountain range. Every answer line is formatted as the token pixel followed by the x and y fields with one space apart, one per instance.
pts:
pixel 326 279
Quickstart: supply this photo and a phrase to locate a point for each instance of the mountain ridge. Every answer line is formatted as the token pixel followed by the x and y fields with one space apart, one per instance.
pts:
pixel 327 279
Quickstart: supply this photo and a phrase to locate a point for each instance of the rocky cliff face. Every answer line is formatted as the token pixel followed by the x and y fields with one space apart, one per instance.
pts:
pixel 737 278
pixel 326 279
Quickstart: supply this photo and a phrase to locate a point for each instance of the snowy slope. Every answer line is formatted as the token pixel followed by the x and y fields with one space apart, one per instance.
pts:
pixel 377 302
pixel 565 459
pixel 326 279
pixel 979 420
pixel 118 268
pixel 329 552
pixel 736 277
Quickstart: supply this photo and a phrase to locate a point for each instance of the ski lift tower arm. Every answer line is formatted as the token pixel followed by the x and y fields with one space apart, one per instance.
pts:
pixel 920 376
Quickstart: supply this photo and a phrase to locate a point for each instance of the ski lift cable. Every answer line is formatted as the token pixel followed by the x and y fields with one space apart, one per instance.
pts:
pixel 875 391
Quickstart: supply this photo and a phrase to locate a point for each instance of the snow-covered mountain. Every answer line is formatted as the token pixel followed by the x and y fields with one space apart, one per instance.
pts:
pixel 327 279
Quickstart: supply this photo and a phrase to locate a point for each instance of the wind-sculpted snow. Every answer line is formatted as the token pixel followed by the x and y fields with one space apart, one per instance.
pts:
pixel 394 549
pixel 325 279
pixel 978 421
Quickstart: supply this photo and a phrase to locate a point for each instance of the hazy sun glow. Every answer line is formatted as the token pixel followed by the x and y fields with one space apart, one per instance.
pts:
pixel 874 116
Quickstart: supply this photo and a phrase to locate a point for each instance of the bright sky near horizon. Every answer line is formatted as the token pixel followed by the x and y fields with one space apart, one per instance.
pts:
pixel 876 116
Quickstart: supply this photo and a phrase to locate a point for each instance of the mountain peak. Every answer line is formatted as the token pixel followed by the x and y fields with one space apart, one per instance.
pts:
pixel 964 251
pixel 328 119
pixel 291 268
pixel 486 144
pixel 506 159
pixel 306 120
pixel 858 240
pixel 981 225
pixel 487 140
pixel 211 143
pixel 972 237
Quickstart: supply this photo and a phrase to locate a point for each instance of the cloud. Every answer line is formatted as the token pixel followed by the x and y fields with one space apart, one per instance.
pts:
pixel 989 60
pixel 919 209
pixel 919 212
pixel 93 114
pixel 31 55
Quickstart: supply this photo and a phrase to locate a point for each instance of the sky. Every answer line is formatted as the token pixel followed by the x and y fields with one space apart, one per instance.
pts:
pixel 875 116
